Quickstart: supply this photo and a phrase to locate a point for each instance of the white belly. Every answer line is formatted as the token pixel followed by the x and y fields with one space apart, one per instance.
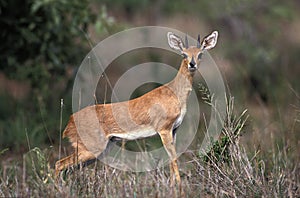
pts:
pixel 137 134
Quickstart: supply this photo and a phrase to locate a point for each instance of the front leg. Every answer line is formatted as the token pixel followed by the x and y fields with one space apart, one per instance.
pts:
pixel 169 144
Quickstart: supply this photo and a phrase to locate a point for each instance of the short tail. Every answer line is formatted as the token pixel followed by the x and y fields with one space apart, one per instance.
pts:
pixel 85 158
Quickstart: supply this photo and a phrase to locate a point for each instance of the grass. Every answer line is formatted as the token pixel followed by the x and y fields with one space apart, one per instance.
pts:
pixel 227 170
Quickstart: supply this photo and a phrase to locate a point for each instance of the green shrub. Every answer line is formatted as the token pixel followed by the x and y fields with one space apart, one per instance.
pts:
pixel 40 38
pixel 40 41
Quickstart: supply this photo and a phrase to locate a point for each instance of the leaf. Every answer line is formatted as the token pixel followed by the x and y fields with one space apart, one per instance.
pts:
pixel 3 151
pixel 36 6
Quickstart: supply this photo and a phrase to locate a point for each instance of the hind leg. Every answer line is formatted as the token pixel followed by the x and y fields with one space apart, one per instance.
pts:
pixel 81 156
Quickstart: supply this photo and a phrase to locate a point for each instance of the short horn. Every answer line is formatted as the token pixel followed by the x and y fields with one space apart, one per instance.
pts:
pixel 198 42
pixel 186 41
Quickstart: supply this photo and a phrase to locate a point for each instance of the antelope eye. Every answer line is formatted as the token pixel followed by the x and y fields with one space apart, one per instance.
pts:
pixel 184 55
pixel 200 56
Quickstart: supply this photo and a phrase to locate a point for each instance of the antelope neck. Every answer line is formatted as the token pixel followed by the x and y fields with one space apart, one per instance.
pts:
pixel 182 83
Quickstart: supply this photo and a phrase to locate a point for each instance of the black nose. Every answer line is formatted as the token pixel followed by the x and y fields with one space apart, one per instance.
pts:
pixel 192 63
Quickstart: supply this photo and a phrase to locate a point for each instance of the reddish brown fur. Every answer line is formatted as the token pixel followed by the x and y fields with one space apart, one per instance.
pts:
pixel 173 95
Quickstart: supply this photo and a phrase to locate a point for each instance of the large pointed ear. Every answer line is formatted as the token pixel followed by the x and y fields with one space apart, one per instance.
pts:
pixel 210 41
pixel 175 41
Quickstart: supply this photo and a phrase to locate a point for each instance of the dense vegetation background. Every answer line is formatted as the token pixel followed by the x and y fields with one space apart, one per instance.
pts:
pixel 44 41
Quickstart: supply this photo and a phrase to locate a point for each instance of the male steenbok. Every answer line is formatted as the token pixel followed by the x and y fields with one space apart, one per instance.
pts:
pixel 159 111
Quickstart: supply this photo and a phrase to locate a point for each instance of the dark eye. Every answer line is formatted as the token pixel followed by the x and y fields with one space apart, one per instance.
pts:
pixel 184 55
pixel 200 56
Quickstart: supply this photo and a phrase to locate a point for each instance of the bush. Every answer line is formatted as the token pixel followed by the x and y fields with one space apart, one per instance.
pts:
pixel 40 41
pixel 40 38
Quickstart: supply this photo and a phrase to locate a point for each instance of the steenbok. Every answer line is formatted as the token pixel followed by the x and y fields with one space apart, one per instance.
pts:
pixel 159 111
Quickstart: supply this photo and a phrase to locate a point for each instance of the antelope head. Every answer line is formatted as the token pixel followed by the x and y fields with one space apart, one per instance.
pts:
pixel 192 54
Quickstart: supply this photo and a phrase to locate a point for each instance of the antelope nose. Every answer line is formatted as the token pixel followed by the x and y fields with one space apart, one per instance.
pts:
pixel 192 63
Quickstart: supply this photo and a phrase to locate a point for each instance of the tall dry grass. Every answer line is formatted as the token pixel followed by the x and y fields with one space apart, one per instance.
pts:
pixel 227 170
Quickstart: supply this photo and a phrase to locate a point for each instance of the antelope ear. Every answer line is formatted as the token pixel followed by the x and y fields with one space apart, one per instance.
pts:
pixel 175 41
pixel 210 41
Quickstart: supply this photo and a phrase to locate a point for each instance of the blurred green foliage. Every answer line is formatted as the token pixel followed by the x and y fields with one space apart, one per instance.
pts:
pixel 40 41
pixel 40 38
pixel 250 32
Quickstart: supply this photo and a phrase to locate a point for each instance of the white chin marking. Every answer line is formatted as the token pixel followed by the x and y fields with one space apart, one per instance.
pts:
pixel 193 68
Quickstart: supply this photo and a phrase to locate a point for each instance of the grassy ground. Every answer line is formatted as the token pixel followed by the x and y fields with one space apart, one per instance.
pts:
pixel 227 170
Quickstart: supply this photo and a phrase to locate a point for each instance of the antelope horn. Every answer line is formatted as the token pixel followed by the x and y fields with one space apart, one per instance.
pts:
pixel 198 42
pixel 186 41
